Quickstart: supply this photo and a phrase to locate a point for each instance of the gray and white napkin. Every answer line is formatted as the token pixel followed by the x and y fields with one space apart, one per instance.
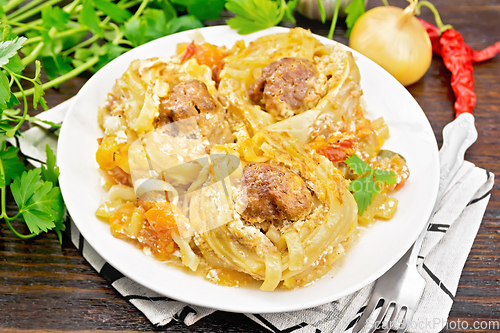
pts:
pixel 446 246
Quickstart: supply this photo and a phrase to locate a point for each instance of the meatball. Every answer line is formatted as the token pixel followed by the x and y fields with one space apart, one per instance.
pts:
pixel 274 193
pixel 285 87
pixel 187 99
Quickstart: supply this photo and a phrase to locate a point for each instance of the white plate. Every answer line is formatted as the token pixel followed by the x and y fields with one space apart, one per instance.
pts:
pixel 379 248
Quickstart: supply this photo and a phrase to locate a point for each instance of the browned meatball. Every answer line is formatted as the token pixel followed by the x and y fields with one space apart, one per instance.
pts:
pixel 284 85
pixel 274 193
pixel 187 99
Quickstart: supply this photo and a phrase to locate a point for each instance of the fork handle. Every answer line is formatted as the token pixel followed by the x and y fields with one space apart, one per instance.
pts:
pixel 458 135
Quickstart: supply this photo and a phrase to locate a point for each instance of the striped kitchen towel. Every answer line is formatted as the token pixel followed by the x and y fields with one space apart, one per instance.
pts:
pixel 446 245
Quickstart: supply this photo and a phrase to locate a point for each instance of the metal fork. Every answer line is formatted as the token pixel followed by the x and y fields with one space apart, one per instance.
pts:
pixel 402 286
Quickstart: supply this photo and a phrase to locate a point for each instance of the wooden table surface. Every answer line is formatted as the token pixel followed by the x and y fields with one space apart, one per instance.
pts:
pixel 48 287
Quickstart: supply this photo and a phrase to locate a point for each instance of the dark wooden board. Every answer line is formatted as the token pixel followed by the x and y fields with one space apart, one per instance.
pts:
pixel 48 287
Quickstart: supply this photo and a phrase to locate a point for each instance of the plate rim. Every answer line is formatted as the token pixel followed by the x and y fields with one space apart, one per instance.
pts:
pixel 241 308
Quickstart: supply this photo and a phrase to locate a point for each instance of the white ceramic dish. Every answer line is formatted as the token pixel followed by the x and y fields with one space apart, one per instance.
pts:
pixel 379 248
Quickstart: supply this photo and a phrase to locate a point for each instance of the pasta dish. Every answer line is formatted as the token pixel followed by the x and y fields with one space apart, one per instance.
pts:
pixel 233 162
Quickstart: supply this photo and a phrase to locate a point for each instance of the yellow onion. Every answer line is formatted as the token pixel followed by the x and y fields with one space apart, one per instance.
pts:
pixel 394 39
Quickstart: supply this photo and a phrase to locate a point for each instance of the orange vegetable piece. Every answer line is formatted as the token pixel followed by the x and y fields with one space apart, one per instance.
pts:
pixel 205 54
pixel 338 147
pixel 161 218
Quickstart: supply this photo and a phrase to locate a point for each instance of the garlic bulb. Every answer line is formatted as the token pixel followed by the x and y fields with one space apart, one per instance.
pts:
pixel 394 39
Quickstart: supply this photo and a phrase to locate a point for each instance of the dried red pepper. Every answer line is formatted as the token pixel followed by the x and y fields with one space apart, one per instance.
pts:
pixel 457 57
pixel 477 56
pixel 458 60
pixel 433 33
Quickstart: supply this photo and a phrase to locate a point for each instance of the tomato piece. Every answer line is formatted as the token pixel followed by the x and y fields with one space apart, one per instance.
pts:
pixel 338 147
pixel 206 54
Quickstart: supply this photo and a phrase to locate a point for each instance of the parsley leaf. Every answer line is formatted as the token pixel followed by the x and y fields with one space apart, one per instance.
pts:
pixel 135 30
pixel 50 172
pixel 5 94
pixel 357 165
pixel 384 176
pixel 36 212
pixel 157 23
pixel 183 23
pixel 255 15
pixel 56 65
pixel 39 202
pixel 355 9
pixel 366 187
pixel 88 17
pixel 205 9
pixel 116 13
pixel 12 168
pixel 15 64
pixel 54 17
pixel 290 7
pixel 25 186
pixel 9 48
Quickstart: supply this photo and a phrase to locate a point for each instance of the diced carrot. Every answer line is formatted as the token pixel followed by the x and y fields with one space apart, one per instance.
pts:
pixel 205 54
pixel 338 147
pixel 161 217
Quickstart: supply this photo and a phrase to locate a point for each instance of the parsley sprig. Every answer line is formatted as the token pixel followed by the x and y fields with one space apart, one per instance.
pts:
pixel 35 192
pixel 353 11
pixel 62 40
pixel 255 15
pixel 367 186
pixel 86 34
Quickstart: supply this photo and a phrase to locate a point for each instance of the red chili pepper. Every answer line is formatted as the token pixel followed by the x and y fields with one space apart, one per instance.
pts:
pixel 433 33
pixel 477 56
pixel 486 54
pixel 458 60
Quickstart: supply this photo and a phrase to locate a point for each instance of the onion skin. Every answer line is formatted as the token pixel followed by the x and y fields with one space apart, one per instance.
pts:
pixel 394 39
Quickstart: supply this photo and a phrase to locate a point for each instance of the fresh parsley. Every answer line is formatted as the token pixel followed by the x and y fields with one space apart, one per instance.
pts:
pixel 39 201
pixel 354 10
pixel 255 15
pixel 62 39
pixel 367 186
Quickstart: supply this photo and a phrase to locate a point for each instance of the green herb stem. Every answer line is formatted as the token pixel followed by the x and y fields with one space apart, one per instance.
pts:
pixel 23 26
pixel 70 8
pixel 11 5
pixel 131 4
pixel 24 8
pixel 119 36
pixel 2 195
pixel 282 12
pixel 4 215
pixel 34 11
pixel 442 27
pixel 80 45
pixel 25 102
pixel 334 19
pixel 385 2
pixel 141 8
pixel 18 234
pixel 34 54
pixel 75 72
